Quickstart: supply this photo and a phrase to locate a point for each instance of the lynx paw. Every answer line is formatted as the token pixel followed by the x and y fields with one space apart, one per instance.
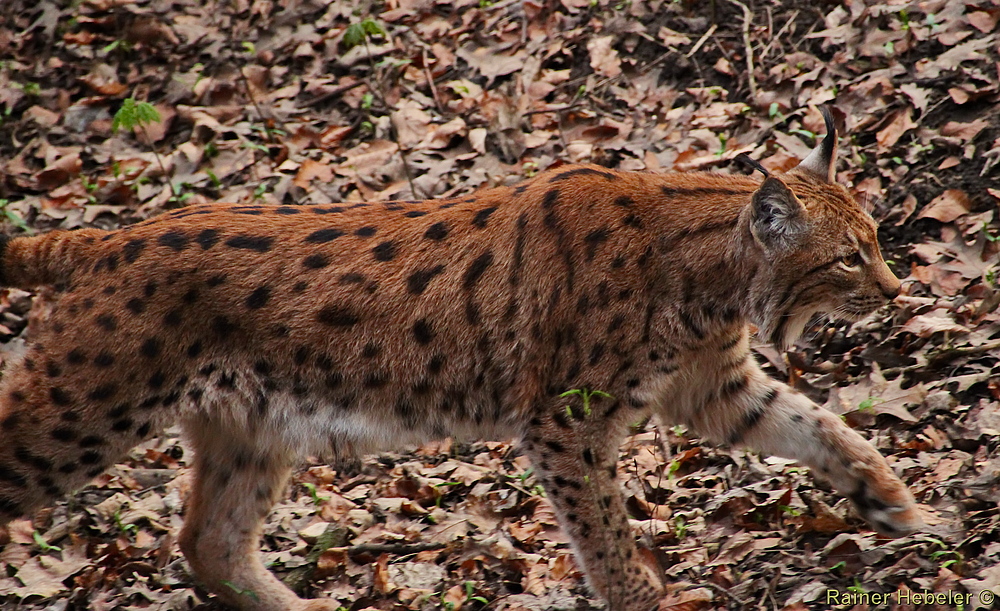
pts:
pixel 890 509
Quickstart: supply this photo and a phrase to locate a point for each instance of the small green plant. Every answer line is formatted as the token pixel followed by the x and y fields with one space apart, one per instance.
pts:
pixel 43 544
pixel 358 33
pixel 470 590
pixel 840 566
pixel 366 101
pixel 249 47
pixel 126 529
pixel 259 192
pixel 530 168
pixel 124 45
pixel 586 395
pixel 857 588
pixel 680 527
pixel 789 510
pixel 722 145
pixel 774 112
pixel 134 114
pixel 14 217
pixel 314 495
pixel 524 475
pixel 868 405
pixel 803 132
pixel 29 88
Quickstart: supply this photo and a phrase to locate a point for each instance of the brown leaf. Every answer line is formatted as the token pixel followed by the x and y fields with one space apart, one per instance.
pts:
pixel 937 321
pixel 310 170
pixel 901 123
pixel 946 207
pixel 965 131
pixel 983 21
pixel 603 57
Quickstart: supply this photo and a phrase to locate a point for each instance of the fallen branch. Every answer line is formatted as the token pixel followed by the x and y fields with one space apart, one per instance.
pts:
pixel 747 19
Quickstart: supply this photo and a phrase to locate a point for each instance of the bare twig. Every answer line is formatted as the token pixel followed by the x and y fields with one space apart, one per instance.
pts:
pixel 430 81
pixel 948 354
pixel 401 549
pixel 747 20
pixel 392 128
pixel 702 40
pixel 781 32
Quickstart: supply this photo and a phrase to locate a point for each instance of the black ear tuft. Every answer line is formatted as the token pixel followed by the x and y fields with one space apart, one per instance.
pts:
pixel 779 219
pixel 753 164
pixel 822 161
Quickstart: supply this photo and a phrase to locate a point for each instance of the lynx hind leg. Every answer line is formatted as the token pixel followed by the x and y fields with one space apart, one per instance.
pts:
pixel 574 455
pixel 235 486
pixel 58 434
pixel 768 416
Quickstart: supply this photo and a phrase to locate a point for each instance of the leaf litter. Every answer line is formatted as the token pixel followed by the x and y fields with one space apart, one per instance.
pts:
pixel 265 100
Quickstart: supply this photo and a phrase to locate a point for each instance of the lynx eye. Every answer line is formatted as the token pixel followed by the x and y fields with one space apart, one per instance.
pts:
pixel 852 260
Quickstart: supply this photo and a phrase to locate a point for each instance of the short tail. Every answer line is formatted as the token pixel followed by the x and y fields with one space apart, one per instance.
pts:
pixel 49 259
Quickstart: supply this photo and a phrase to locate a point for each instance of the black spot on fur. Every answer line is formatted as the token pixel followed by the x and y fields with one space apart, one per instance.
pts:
pixel 172 318
pixel 150 348
pixel 365 232
pixel 106 322
pixel 250 242
pixel 385 251
pixel 59 396
pixel 258 298
pixel 175 240
pixel 207 238
pixel 417 282
pixel 479 220
pixel 582 172
pixel 322 236
pixel 102 392
pixel 336 316
pixel 223 327
pixel 423 332
pixel 476 269
pixel 136 306
pixel 132 250
pixel 437 231
pixel 632 220
pixel 436 363
pixel 593 240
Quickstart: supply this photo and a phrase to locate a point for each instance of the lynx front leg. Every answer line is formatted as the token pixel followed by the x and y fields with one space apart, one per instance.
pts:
pixel 234 488
pixel 755 412
pixel 574 453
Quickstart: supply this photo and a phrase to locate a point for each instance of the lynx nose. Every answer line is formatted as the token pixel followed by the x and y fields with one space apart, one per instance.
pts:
pixel 891 289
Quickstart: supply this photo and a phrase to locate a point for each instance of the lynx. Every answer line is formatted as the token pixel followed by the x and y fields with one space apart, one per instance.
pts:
pixel 275 332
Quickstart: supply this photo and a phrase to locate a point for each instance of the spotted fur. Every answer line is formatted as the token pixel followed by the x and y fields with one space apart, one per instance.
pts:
pixel 272 333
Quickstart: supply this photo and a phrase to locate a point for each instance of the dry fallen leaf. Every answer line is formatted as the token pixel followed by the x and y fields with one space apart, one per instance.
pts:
pixel 947 207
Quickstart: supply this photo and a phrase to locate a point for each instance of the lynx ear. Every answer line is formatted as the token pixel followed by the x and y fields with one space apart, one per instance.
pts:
pixel 822 161
pixel 778 218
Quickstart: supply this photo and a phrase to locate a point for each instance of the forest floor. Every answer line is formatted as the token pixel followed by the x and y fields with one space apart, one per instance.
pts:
pixel 302 101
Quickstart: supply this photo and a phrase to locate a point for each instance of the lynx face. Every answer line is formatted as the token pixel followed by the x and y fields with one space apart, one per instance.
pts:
pixel 271 333
pixel 822 247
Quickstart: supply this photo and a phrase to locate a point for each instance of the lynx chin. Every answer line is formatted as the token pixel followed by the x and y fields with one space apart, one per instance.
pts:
pixel 275 332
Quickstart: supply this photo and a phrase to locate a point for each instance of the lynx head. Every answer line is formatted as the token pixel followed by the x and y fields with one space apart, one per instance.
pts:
pixel 819 248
